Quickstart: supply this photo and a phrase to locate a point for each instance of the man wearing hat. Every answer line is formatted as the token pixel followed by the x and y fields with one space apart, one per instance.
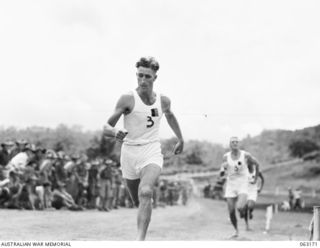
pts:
pixel 70 163
pixel 20 146
pixel 5 152
pixel 39 155
pixel 20 160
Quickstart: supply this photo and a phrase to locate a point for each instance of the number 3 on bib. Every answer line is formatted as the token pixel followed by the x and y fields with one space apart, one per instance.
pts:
pixel 150 122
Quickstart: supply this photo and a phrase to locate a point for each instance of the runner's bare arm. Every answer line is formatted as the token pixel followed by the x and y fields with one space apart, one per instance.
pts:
pixel 173 123
pixel 223 167
pixel 124 106
pixel 262 182
pixel 252 161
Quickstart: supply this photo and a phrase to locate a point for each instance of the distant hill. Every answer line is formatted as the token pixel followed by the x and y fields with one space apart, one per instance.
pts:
pixel 303 174
pixel 272 146
pixel 311 133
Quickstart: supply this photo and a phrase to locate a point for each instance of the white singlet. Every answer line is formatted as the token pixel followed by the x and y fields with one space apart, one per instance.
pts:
pixel 237 175
pixel 143 123
pixel 141 146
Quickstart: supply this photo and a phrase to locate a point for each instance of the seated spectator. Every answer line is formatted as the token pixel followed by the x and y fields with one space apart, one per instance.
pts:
pixel 29 198
pixel 61 198
pixel 44 194
pixel 11 192
pixel 285 206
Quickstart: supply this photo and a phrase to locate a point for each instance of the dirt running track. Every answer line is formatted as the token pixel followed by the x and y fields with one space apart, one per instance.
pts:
pixel 202 219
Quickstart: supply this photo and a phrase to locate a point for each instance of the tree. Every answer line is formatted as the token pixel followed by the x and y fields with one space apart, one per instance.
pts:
pixel 298 148
pixel 101 147
pixel 194 157
pixel 107 146
pixel 194 153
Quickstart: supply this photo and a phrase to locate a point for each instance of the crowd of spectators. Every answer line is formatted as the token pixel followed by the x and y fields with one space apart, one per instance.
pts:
pixel 215 191
pixel 36 178
pixel 172 192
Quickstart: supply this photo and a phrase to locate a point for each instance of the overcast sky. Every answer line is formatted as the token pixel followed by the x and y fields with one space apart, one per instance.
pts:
pixel 229 67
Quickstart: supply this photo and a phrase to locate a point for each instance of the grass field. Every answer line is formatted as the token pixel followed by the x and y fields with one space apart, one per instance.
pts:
pixel 201 220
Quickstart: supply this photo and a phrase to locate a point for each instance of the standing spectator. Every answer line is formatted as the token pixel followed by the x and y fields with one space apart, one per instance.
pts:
pixel 297 199
pixel 93 190
pixel 60 174
pixel 171 193
pixel 82 173
pixel 117 181
pixel 155 195
pixel 218 189
pixel 105 183
pixel 72 183
pixel 163 192
pixel 70 163
pixel 185 194
pixel 48 195
pixel 290 196
pixel 122 195
pixel 207 190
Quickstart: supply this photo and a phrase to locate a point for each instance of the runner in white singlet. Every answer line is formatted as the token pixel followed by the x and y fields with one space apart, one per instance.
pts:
pixel 237 164
pixel 141 158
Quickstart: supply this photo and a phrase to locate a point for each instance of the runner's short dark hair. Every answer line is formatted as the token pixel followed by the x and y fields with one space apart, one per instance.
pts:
pixel 148 62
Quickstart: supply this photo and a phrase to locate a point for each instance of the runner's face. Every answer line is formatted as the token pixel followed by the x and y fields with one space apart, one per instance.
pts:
pixel 146 77
pixel 234 144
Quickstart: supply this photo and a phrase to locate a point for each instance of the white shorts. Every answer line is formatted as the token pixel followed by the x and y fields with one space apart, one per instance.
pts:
pixel 252 192
pixel 235 188
pixel 135 157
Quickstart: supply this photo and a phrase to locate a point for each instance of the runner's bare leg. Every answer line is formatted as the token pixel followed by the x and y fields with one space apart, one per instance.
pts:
pixel 149 176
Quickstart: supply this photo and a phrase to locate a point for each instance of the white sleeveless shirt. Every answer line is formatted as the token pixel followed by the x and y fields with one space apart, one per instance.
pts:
pixel 143 123
pixel 237 169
